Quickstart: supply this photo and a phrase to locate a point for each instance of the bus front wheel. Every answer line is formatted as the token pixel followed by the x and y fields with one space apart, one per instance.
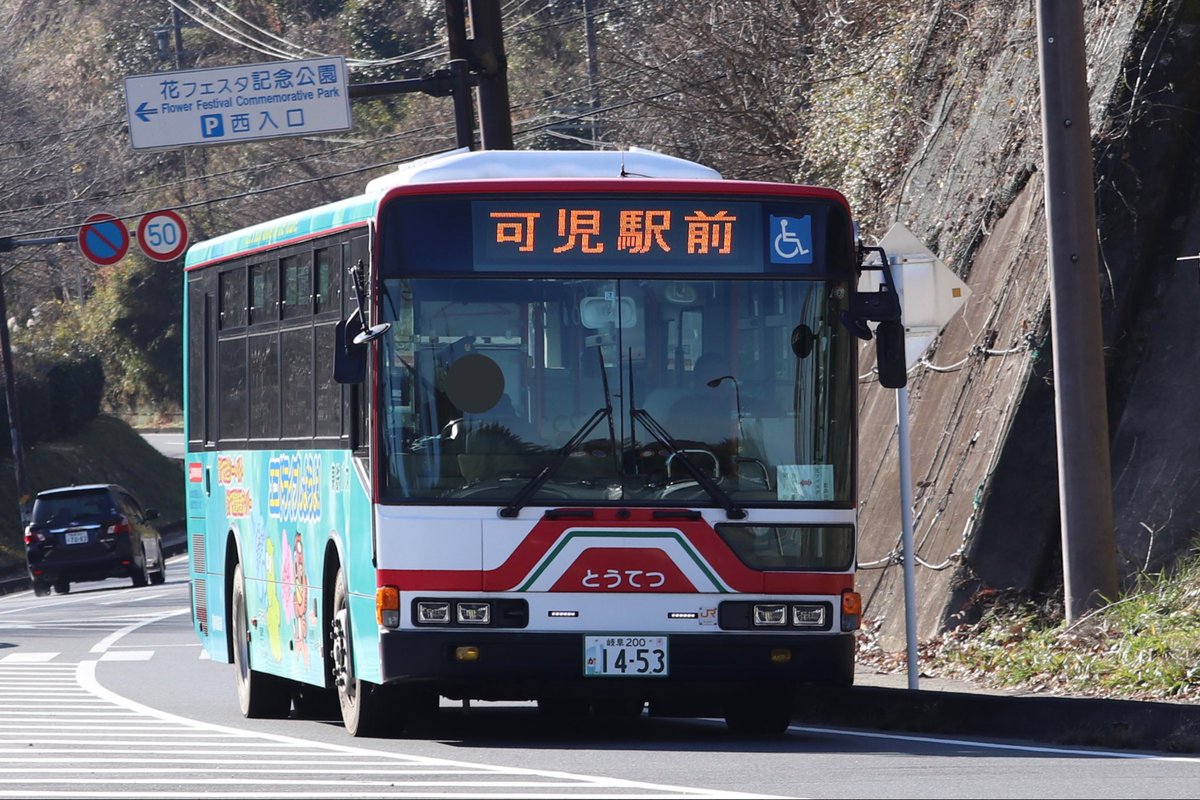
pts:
pixel 361 702
pixel 260 696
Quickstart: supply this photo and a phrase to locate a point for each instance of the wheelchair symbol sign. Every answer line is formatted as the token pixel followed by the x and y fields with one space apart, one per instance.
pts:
pixel 791 240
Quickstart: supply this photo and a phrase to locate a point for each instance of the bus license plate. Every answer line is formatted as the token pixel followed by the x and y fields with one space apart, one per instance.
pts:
pixel 625 656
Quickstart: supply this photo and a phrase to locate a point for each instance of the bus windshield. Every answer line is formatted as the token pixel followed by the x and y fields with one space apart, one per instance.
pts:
pixel 609 384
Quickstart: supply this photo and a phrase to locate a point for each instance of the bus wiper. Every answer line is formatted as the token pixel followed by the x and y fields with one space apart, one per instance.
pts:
pixel 564 452
pixel 732 509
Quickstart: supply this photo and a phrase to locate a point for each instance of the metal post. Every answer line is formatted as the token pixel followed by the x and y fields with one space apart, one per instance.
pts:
pixel 460 68
pixel 177 23
pixel 906 521
pixel 908 548
pixel 495 115
pixel 24 501
pixel 1085 477
pixel 589 34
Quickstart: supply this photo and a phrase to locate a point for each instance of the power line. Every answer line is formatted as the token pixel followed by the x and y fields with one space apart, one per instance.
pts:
pixel 391 137
pixel 526 133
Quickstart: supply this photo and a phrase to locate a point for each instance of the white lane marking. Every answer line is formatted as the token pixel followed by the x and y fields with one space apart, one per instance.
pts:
pixel 86 677
pixel 314 765
pixel 28 658
pixel 135 598
pixel 58 601
pixel 127 655
pixel 334 768
pixel 337 795
pixel 1023 748
pixel 107 642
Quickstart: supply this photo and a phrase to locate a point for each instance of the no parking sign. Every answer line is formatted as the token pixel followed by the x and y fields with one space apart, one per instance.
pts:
pixel 103 239
pixel 162 235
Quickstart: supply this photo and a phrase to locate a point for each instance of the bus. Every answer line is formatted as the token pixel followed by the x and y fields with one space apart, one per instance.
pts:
pixel 568 427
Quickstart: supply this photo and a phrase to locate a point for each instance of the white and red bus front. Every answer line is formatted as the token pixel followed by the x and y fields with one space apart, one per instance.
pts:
pixel 613 437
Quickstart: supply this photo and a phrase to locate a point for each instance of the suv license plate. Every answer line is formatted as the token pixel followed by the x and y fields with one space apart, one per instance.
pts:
pixel 77 537
pixel 625 656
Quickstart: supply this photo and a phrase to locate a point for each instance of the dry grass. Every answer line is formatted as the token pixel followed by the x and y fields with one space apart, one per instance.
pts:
pixel 1144 646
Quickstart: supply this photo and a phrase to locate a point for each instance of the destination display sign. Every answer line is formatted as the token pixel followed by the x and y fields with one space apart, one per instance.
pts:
pixel 610 233
pixel 627 234
pixel 223 105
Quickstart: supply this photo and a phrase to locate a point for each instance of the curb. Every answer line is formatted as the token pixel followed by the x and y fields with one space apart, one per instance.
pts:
pixel 1073 721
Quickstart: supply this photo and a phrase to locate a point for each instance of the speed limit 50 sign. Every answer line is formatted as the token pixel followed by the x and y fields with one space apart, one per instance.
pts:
pixel 162 235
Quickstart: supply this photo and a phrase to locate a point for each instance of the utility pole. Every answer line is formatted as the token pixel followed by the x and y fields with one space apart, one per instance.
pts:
pixel 589 34
pixel 495 115
pixel 460 61
pixel 163 35
pixel 1084 468
pixel 24 501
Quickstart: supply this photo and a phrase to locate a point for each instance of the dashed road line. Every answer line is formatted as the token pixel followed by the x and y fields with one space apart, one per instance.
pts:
pixel 63 734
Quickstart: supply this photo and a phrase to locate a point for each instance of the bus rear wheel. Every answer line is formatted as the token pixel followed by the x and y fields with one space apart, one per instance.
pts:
pixel 260 696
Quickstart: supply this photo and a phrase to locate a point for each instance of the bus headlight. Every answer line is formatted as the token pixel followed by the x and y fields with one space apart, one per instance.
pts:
pixel 770 614
pixel 433 612
pixel 808 616
pixel 474 613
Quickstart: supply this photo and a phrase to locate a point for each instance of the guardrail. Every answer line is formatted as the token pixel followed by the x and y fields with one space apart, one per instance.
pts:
pixel 14 583
pixel 174 541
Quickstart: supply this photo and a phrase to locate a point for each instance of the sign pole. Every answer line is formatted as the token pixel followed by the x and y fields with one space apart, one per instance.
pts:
pixel 935 295
pixel 24 501
pixel 906 519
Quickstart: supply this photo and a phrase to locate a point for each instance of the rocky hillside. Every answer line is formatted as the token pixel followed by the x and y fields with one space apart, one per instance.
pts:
pixel 983 428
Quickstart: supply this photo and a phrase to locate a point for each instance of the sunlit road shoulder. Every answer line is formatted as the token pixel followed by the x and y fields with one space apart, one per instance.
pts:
pixel 105 692
pixel 64 732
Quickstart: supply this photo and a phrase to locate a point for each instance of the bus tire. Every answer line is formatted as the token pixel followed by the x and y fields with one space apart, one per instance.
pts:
pixel 363 704
pixel 260 696
pixel 759 713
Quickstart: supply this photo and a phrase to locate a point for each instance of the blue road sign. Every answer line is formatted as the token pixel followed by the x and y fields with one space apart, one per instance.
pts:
pixel 236 104
pixel 103 239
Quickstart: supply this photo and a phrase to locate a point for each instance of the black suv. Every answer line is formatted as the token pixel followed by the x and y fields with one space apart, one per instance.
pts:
pixel 89 533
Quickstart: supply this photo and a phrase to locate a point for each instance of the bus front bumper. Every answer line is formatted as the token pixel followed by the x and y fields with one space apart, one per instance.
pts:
pixel 516 664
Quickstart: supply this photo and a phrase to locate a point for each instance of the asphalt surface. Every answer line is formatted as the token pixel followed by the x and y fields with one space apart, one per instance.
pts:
pixel 883 701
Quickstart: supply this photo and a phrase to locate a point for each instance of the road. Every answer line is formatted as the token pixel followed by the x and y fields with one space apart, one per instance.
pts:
pixel 170 444
pixel 104 692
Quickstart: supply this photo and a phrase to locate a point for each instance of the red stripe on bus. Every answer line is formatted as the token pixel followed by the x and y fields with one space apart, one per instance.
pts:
pixel 548 532
pixel 448 580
